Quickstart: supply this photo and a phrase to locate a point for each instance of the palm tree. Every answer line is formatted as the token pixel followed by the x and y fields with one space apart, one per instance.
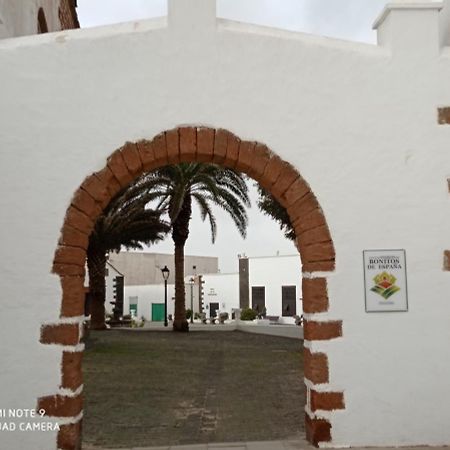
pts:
pixel 125 222
pixel 176 187
pixel 268 205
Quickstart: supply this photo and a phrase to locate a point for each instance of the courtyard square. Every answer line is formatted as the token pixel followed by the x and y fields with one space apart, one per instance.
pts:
pixel 150 388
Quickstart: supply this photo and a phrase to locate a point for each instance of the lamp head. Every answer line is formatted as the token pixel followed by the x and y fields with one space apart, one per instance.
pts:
pixel 165 272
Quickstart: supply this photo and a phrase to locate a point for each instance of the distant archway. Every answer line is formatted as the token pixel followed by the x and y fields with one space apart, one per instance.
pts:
pixel 42 22
pixel 188 144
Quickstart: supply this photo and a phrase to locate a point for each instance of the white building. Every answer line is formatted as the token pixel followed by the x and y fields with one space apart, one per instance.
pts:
pixel 275 276
pixel 27 17
pixel 352 138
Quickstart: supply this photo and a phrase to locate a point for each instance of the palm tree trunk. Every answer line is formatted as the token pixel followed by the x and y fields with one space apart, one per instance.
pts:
pixel 180 233
pixel 180 322
pixel 96 261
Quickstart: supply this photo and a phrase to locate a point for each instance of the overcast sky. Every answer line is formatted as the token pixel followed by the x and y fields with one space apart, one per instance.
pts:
pixel 343 19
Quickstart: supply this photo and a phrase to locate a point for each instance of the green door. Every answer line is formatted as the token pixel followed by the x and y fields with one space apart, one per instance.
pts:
pixel 133 309
pixel 157 312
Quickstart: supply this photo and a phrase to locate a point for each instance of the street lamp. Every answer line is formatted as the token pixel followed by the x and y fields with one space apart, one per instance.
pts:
pixel 165 273
pixel 191 283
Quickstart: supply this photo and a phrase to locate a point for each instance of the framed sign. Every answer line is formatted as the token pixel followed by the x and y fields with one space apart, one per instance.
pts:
pixel 385 282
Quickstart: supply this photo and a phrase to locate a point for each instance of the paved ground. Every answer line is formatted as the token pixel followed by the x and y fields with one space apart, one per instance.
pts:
pixel 261 327
pixel 267 445
pixel 262 445
pixel 164 388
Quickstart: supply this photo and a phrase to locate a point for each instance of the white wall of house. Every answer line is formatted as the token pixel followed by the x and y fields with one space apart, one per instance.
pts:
pixel 144 296
pixel 358 121
pixel 273 272
pixel 221 288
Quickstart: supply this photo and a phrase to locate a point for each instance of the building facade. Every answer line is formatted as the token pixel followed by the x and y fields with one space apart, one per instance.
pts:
pixel 142 268
pixel 351 138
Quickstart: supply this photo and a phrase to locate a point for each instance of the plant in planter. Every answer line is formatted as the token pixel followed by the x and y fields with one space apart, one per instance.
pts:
pixel 222 317
pixel 248 314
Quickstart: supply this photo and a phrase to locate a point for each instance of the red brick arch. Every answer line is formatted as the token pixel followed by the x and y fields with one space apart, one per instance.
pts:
pixel 186 144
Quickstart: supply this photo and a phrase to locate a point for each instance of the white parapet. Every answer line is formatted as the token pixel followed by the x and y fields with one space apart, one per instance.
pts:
pixel 410 24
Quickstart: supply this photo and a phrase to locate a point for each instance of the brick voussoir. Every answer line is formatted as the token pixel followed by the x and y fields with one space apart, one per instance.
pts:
pixel 297 190
pixel 287 177
pixel 322 331
pixel 84 202
pixel 271 172
pixel 315 235
pixel 147 155
pixel 205 144
pixel 232 155
pixel 131 157
pixel 173 146
pixel 73 238
pixel 78 220
pixel 301 208
pixel 188 143
pixel 70 255
pixel 306 220
pixel 245 158
pixel 319 266
pixel 60 334
pixel 323 251
pixel 160 149
pixel 261 158
pixel 61 405
pixel 220 145
pixel 119 169
pixel 112 186
pixel 96 187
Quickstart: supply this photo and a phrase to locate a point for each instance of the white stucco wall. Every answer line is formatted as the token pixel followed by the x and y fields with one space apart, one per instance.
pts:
pixel 273 272
pixel 222 288
pixel 146 295
pixel 358 121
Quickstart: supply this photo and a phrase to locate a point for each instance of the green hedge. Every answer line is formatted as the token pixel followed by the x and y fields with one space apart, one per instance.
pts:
pixel 248 314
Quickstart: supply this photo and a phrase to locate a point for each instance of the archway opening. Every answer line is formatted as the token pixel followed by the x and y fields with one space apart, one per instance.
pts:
pixel 189 144
pixel 42 22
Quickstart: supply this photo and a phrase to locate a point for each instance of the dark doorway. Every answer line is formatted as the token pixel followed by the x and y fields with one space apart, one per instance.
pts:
pixel 258 298
pixel 213 308
pixel 288 294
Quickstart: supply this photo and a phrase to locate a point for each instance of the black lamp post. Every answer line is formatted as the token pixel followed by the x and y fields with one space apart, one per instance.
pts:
pixel 165 273
pixel 191 283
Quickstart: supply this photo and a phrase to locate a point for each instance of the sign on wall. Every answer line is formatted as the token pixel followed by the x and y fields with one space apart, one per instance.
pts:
pixel 385 280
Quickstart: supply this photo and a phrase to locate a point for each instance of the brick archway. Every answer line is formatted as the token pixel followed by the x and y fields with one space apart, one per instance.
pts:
pixel 186 144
